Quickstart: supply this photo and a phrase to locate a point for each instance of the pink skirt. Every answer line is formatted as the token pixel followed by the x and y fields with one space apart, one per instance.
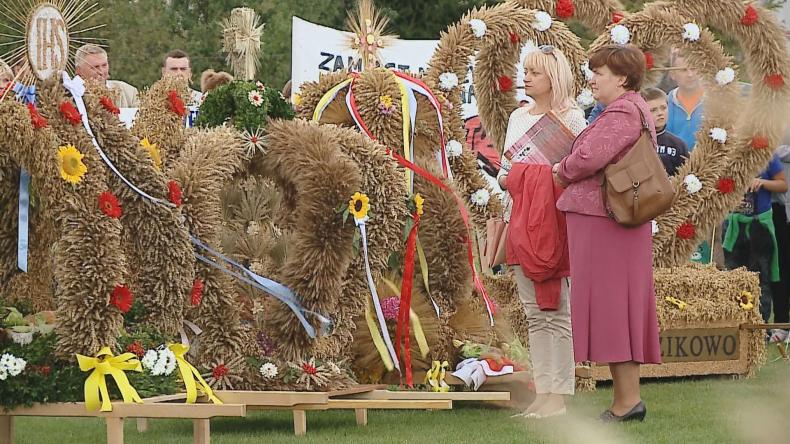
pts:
pixel 613 301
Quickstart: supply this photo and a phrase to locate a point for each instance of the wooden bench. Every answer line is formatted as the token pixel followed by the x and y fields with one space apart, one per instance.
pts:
pixel 199 413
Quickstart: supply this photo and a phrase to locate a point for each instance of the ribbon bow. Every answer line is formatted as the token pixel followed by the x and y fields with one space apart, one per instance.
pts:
pixel 435 377
pixel 25 94
pixel 105 363
pixel 189 374
pixel 76 86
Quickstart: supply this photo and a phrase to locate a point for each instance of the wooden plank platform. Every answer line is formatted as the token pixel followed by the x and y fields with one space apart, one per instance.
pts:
pixel 199 413
pixel 431 396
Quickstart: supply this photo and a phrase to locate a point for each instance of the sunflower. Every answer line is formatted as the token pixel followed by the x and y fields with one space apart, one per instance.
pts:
pixel 359 205
pixel 71 167
pixel 153 153
pixel 418 201
pixel 746 300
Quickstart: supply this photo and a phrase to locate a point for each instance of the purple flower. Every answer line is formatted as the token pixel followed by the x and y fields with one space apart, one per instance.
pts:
pixel 390 306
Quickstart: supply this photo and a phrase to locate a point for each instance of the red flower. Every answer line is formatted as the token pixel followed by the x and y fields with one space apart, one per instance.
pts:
pixel 749 16
pixel 726 185
pixel 136 348
pixel 108 105
pixel 197 291
pixel 565 9
pixel 514 38
pixel 505 83
pixel 775 81
pixel 219 371
pixel 309 369
pixel 174 192
pixel 176 104
pixel 122 298
pixel 36 119
pixel 108 204
pixel 649 62
pixel 760 142
pixel 70 113
pixel 686 231
pixel 617 17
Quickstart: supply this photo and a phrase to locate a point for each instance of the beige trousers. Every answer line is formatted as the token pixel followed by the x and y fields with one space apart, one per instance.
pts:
pixel 550 340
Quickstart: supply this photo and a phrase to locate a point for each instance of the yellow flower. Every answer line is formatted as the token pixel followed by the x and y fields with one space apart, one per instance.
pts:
pixel 746 300
pixel 153 153
pixel 71 167
pixel 676 302
pixel 297 100
pixel 359 205
pixel 385 101
pixel 418 201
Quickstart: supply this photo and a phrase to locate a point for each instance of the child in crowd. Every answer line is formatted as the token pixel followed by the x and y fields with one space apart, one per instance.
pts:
pixel 685 102
pixel 6 76
pixel 671 148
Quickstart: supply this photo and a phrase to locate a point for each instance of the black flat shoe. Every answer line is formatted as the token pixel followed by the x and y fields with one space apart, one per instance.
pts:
pixel 636 414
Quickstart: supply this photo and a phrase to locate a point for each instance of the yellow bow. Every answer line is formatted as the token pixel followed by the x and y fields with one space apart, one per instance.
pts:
pixel 676 302
pixel 435 376
pixel 189 374
pixel 104 364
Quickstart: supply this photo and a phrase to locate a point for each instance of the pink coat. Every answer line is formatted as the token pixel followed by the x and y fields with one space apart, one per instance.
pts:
pixel 605 141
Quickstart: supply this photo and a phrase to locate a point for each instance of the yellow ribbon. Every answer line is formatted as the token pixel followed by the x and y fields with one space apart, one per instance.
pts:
pixel 327 98
pixel 424 268
pixel 189 374
pixel 406 112
pixel 104 364
pixel 681 305
pixel 378 341
pixel 435 376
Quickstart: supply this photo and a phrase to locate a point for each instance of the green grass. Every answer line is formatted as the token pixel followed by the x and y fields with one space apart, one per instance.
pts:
pixel 699 410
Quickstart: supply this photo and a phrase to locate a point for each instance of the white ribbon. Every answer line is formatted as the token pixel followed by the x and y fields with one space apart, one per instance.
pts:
pixel 374 293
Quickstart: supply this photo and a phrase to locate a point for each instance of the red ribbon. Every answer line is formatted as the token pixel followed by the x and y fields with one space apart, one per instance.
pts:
pixel 402 335
pixel 436 181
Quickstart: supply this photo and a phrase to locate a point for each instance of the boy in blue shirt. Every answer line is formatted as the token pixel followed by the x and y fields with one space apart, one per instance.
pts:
pixel 685 102
pixel 749 233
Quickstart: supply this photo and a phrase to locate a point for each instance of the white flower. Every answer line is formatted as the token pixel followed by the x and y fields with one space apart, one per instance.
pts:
pixel 6 360
pixel 725 76
pixel 149 359
pixel 691 32
pixel 269 371
pixel 478 27
pixel 3 373
pixel 588 74
pixel 654 227
pixel 17 367
pixel 620 35
pixel 585 99
pixel 480 197
pixel 542 21
pixel 454 148
pixel 692 183
pixel 255 98
pixel 448 80
pixel 719 135
pixel 259 85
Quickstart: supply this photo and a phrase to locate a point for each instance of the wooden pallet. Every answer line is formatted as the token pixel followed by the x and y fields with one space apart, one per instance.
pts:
pixel 199 413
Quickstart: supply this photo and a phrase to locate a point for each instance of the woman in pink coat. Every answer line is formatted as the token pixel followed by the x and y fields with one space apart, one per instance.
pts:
pixel 613 307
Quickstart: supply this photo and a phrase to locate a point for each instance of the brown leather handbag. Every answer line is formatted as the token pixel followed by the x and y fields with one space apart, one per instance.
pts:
pixel 637 189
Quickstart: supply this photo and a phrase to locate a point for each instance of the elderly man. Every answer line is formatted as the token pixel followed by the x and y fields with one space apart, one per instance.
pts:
pixel 92 64
pixel 176 63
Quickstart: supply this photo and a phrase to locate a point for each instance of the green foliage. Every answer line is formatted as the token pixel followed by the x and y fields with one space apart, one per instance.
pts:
pixel 231 103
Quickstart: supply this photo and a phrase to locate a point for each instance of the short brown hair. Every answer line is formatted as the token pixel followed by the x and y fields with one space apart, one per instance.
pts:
pixel 175 54
pixel 622 60
pixel 653 93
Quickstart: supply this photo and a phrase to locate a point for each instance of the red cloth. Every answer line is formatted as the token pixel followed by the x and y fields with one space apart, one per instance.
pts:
pixel 537 238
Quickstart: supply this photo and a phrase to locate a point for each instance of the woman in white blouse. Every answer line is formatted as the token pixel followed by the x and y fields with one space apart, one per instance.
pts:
pixel 549 82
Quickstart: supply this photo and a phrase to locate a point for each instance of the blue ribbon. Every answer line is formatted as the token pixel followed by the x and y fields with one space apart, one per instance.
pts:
pixel 279 291
pixel 24 220
pixel 25 94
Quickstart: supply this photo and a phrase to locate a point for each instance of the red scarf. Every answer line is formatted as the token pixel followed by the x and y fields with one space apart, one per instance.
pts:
pixel 537 238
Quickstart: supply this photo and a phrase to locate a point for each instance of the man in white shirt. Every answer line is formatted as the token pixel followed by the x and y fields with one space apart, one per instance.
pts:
pixel 176 63
pixel 92 64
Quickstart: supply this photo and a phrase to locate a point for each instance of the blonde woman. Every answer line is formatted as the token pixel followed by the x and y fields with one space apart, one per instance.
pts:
pixel 6 76
pixel 537 246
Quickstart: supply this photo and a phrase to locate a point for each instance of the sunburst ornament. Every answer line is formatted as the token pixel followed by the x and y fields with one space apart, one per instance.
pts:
pixel 71 166
pixel 241 41
pixel 368 27
pixel 43 35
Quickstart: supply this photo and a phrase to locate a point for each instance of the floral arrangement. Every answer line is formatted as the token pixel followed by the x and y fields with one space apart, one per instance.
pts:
pixel 246 105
